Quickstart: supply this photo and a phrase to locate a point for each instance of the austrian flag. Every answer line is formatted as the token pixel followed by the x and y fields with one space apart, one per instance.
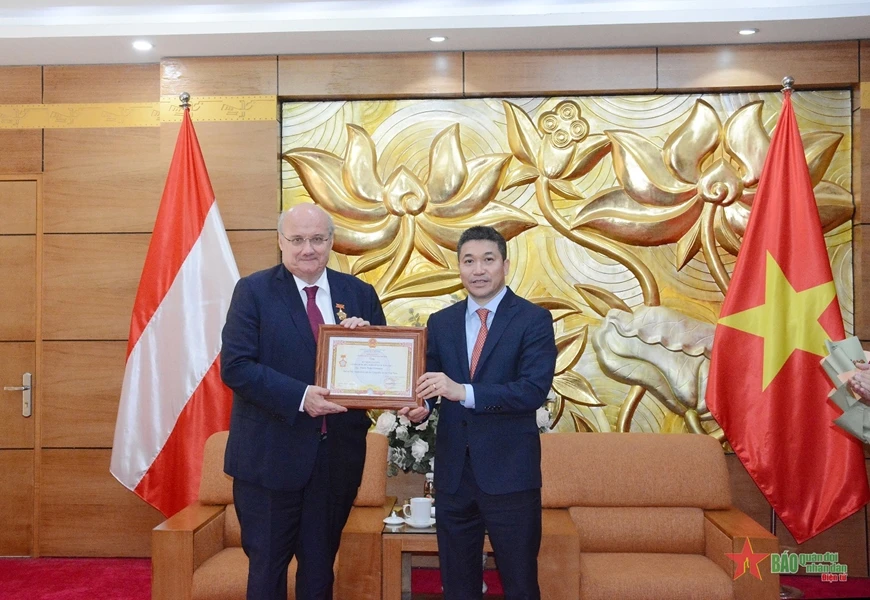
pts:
pixel 172 397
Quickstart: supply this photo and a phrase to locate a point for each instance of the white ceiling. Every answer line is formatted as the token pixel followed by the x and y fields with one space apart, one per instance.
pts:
pixel 35 32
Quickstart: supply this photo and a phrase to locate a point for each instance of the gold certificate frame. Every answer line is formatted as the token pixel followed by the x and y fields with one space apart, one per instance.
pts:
pixel 371 367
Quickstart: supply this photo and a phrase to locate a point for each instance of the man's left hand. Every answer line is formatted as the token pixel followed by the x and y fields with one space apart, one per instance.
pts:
pixel 354 322
pixel 438 384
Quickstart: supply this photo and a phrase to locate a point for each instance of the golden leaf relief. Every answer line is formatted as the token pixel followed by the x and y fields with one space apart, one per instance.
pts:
pixel 666 352
pixel 383 221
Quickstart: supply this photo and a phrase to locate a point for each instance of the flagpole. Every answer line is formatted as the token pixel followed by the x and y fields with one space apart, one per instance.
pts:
pixel 786 592
pixel 185 100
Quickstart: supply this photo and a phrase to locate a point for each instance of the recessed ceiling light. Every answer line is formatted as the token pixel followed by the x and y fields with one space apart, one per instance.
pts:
pixel 142 45
pixel 437 39
pixel 748 31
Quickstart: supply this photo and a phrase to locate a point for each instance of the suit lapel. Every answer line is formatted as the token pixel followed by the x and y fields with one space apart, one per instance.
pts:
pixel 460 343
pixel 289 294
pixel 506 311
pixel 341 294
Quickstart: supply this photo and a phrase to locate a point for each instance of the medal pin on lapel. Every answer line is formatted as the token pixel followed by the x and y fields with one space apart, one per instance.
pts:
pixel 339 308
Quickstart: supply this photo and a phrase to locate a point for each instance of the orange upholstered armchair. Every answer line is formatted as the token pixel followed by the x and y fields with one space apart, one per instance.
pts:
pixel 197 554
pixel 644 516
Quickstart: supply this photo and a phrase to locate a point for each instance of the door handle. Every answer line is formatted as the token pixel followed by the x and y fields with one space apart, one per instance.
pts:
pixel 25 389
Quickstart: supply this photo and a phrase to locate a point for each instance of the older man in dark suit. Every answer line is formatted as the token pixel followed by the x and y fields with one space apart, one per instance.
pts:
pixel 296 458
pixel 491 359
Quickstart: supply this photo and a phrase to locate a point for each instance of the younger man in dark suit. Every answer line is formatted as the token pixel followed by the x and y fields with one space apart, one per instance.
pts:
pixel 296 458
pixel 491 359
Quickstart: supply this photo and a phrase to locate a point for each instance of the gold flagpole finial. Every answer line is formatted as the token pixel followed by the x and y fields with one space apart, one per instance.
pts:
pixel 185 100
pixel 787 84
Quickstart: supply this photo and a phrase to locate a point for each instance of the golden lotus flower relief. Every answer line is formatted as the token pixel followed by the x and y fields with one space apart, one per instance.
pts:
pixel 385 220
pixel 623 217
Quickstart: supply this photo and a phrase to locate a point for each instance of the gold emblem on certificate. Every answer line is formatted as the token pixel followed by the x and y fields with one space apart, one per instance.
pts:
pixel 371 367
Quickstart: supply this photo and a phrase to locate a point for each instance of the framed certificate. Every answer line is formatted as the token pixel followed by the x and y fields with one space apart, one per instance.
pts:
pixel 371 367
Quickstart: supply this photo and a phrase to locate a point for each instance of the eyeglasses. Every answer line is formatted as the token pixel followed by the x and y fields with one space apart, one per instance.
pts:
pixel 317 241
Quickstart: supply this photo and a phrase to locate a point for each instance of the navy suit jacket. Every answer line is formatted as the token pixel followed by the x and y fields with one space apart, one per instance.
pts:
pixel 268 360
pixel 512 379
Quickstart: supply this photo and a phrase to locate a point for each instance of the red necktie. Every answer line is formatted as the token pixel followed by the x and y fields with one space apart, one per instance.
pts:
pixel 315 319
pixel 481 338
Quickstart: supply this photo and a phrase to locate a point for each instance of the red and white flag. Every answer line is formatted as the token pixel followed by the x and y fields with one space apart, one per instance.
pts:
pixel 173 398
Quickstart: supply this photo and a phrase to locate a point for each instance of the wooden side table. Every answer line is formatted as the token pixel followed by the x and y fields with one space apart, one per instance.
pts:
pixel 397 546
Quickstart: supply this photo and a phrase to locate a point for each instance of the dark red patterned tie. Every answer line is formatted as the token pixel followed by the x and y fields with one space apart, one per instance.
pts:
pixel 315 319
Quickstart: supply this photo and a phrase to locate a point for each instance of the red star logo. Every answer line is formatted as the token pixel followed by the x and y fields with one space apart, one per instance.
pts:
pixel 747 559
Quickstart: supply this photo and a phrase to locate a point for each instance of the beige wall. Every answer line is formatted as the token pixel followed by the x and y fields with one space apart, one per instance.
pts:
pixel 98 191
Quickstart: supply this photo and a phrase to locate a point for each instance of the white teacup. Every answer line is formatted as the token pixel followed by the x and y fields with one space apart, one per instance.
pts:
pixel 419 510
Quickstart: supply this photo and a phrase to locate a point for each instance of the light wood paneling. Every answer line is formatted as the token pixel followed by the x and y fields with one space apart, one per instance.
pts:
pixel 219 76
pixel 16 502
pixel 399 75
pixel 560 72
pixel 80 391
pixel 18 289
pixel 18 207
pixel 861 278
pixel 864 49
pixel 254 250
pixel 757 66
pixel 848 538
pixel 102 180
pixel 101 83
pixel 84 511
pixel 20 85
pixel 22 151
pixel 16 431
pixel 745 495
pixel 860 163
pixel 242 161
pixel 90 285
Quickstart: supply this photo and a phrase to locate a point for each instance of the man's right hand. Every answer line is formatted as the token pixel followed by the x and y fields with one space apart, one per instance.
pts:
pixel 418 414
pixel 316 404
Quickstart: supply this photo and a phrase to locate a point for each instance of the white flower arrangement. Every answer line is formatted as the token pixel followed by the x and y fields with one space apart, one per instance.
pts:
pixel 412 446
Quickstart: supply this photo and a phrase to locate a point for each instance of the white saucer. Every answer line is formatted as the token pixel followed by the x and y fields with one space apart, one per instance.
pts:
pixel 411 523
pixel 394 520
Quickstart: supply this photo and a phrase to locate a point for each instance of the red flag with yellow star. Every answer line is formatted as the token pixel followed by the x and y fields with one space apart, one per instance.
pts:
pixel 766 387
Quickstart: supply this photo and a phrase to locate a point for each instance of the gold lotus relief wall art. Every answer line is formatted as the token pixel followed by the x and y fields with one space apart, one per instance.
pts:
pixel 623 217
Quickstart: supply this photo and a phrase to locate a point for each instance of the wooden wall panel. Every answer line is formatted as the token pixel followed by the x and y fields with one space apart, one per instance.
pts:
pixel 861 278
pixel 22 148
pixel 864 54
pixel 16 431
pixel 101 83
pixel 860 162
pixel 255 250
pixel 745 495
pixel 102 180
pixel 560 72
pixel 16 502
pixel 90 284
pixel 18 289
pixel 18 206
pixel 758 66
pixel 219 76
pixel 399 75
pixel 81 385
pixel 848 538
pixel 84 511
pixel 242 161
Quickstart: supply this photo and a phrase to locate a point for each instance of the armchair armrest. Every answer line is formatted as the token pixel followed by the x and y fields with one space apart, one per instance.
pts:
pixel 179 545
pixel 727 531
pixel 559 557
pixel 359 555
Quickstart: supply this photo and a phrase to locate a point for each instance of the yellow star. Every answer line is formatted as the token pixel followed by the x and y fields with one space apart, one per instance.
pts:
pixel 788 320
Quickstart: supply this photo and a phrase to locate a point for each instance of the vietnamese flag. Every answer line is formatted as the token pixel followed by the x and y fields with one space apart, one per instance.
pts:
pixel 766 387
pixel 172 397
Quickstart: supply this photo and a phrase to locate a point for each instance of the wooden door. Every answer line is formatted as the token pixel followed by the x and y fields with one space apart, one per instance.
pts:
pixel 18 350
